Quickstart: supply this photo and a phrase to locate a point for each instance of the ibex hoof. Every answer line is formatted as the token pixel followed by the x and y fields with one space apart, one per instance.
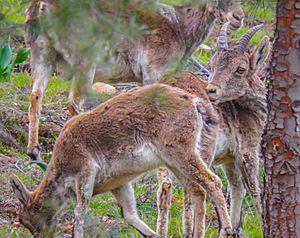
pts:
pixel 226 233
pixel 34 153
pixel 73 109
pixel 189 235
pixel 153 236
pixel 238 233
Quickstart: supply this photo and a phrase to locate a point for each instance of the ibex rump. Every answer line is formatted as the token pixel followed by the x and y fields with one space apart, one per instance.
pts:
pixel 103 150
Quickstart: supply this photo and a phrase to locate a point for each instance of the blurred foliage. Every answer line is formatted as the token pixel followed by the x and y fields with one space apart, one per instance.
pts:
pixel 260 9
pixel 11 18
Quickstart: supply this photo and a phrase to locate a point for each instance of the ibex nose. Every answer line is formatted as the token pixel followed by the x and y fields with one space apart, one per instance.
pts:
pixel 211 89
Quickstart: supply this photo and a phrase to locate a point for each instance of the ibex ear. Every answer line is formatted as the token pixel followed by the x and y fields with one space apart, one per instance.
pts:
pixel 20 190
pixel 260 54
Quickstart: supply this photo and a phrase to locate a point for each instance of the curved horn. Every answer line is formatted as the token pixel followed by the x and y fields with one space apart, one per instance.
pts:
pixel 242 44
pixel 222 38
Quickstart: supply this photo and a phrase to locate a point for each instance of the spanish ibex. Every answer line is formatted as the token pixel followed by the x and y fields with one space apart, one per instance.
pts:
pixel 174 33
pixel 239 97
pixel 105 149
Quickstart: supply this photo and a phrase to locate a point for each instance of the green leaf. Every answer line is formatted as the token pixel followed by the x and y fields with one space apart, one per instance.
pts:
pixel 22 56
pixel 6 71
pixel 5 57
pixel 40 164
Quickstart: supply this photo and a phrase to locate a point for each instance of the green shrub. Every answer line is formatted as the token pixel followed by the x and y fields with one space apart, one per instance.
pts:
pixel 8 60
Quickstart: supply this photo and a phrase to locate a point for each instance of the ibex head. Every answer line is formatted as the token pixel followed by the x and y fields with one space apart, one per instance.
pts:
pixel 35 217
pixel 224 9
pixel 233 67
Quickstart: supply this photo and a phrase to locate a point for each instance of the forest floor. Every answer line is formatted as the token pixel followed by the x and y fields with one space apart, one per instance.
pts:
pixel 104 218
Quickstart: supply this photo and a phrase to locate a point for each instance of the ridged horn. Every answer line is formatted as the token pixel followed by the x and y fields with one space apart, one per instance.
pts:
pixel 242 44
pixel 222 38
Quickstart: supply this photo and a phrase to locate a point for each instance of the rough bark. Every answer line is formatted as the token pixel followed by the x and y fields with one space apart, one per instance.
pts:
pixel 281 142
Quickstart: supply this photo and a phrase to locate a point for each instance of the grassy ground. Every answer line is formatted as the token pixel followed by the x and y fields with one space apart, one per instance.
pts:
pixel 104 218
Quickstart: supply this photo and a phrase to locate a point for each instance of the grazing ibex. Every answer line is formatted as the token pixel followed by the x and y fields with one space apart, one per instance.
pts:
pixel 105 149
pixel 174 33
pixel 239 96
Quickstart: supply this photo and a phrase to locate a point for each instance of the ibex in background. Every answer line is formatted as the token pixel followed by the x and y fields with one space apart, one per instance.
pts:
pixel 105 149
pixel 174 34
pixel 239 97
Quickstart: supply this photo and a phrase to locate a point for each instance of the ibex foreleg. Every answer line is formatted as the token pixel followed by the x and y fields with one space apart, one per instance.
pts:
pixel 84 192
pixel 237 193
pixel 126 199
pixel 249 166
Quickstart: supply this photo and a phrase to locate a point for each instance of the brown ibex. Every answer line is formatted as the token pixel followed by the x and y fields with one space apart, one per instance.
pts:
pixel 174 33
pixel 239 96
pixel 105 149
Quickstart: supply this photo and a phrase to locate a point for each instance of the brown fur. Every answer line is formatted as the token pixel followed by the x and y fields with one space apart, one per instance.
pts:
pixel 174 35
pixel 103 150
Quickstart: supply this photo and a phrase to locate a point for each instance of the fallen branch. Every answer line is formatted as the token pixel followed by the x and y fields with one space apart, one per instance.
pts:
pixel 8 139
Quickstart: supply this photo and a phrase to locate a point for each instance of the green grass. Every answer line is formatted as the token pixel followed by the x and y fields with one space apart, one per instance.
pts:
pixel 7 231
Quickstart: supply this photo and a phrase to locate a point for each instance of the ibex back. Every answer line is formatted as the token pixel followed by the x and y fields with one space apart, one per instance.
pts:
pixel 103 150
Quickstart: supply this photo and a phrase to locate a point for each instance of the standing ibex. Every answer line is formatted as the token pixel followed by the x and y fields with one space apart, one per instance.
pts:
pixel 105 149
pixel 174 33
pixel 239 96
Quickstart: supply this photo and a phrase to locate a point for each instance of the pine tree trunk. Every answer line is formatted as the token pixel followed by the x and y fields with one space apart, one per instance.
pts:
pixel 281 142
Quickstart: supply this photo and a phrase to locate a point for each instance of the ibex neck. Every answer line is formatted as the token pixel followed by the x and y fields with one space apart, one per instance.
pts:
pixel 253 103
pixel 51 193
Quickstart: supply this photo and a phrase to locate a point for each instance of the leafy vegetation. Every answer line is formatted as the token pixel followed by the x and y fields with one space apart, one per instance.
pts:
pixel 8 61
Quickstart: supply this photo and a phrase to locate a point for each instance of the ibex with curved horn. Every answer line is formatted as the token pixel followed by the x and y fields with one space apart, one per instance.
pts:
pixel 239 97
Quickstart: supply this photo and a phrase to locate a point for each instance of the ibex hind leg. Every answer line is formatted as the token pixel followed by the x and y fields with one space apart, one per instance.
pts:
pixel 81 85
pixel 126 199
pixel 188 214
pixel 164 196
pixel 196 170
pixel 194 218
pixel 41 67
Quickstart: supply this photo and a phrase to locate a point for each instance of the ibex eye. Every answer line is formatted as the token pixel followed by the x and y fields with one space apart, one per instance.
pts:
pixel 240 70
